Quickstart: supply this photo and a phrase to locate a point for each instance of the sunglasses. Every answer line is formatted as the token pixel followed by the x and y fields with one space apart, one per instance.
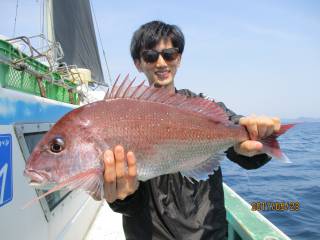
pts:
pixel 151 56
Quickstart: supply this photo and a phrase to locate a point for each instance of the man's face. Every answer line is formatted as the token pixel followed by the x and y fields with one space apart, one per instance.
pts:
pixel 160 73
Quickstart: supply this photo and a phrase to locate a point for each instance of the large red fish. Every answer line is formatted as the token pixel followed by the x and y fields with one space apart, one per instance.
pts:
pixel 167 133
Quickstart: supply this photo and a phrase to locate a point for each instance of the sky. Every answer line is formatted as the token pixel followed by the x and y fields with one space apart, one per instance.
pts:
pixel 258 57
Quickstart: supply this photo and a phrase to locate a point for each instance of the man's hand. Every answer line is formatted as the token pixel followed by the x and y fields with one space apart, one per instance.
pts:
pixel 119 181
pixel 258 128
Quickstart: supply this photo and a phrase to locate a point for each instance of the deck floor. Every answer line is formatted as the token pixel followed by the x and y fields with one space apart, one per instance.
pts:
pixel 107 225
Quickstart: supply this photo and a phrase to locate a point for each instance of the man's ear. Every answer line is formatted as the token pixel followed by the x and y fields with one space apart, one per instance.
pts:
pixel 137 62
pixel 178 60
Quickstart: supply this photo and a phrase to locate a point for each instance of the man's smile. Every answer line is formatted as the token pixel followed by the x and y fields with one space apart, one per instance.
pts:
pixel 162 74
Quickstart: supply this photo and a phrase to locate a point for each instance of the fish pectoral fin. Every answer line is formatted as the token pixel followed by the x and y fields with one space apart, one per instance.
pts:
pixel 94 187
pixel 91 183
pixel 204 169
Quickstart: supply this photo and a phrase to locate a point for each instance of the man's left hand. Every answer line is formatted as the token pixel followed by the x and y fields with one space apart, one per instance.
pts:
pixel 258 128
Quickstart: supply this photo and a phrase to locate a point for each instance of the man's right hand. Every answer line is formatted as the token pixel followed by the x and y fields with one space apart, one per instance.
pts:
pixel 119 181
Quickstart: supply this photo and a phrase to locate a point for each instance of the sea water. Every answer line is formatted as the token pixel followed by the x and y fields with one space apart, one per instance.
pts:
pixel 297 184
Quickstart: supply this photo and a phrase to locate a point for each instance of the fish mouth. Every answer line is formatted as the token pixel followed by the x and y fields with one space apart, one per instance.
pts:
pixel 37 178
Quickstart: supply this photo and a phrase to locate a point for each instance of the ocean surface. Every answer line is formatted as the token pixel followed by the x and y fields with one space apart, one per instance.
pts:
pixel 295 183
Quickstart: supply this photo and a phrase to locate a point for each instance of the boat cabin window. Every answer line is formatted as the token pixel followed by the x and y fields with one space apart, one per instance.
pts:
pixel 28 136
pixel 54 198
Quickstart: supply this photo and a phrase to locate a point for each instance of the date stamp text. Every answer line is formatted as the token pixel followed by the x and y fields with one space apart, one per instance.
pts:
pixel 275 206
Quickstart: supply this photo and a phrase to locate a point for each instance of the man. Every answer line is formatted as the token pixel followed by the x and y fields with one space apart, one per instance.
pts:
pixel 170 206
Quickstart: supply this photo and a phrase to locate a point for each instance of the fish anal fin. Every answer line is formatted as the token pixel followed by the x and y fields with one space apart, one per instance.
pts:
pixel 203 170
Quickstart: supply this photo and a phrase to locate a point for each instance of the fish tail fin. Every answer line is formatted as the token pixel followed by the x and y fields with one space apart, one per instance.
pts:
pixel 271 145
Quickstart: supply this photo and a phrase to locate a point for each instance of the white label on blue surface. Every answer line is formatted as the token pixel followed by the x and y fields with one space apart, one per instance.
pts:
pixel 6 188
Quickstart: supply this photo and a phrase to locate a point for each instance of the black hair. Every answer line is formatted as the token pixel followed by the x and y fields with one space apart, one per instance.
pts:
pixel 151 33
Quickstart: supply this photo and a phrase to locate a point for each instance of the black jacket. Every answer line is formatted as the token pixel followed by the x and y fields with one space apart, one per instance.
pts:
pixel 171 207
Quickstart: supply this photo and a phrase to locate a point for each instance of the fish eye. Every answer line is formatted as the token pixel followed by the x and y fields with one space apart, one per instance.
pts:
pixel 57 145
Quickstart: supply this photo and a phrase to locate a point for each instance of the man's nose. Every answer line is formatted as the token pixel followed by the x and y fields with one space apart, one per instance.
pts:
pixel 161 62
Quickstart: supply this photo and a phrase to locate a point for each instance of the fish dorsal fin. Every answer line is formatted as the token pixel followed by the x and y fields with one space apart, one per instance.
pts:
pixel 196 105
pixel 109 91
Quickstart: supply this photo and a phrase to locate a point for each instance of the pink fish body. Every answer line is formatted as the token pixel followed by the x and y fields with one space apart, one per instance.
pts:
pixel 167 133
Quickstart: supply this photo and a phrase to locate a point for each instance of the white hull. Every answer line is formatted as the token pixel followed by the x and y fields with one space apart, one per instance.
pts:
pixel 74 214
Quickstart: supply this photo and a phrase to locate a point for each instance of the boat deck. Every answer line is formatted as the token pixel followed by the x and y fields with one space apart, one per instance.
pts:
pixel 243 223
pixel 107 225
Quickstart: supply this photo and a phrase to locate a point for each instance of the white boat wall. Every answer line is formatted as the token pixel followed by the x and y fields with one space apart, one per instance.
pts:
pixel 24 118
pixel 26 74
